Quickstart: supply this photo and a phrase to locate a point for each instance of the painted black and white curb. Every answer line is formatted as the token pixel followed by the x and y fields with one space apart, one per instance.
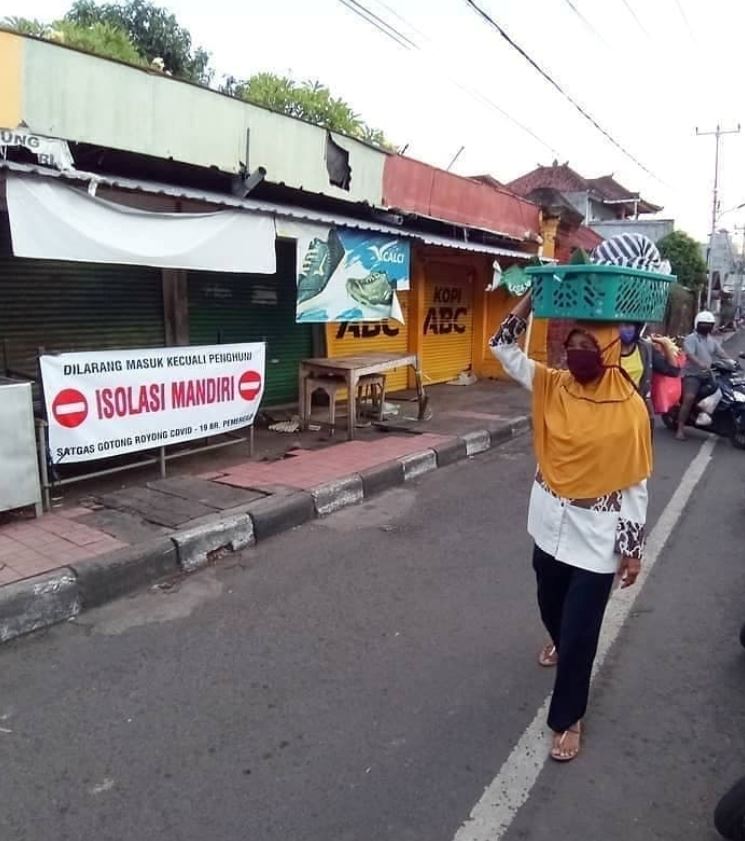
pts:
pixel 44 600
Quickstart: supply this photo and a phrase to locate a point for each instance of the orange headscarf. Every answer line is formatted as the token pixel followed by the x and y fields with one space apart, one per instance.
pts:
pixel 593 439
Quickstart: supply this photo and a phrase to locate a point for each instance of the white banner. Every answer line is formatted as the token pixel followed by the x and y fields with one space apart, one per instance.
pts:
pixel 109 403
pixel 52 221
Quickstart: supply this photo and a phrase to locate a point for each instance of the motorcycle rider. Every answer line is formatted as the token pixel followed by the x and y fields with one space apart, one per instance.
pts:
pixel 701 350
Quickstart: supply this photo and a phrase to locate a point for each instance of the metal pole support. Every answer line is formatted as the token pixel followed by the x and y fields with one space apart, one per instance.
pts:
pixel 43 469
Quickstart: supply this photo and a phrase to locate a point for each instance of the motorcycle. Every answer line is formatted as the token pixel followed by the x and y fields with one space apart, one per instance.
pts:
pixel 723 395
pixel 729 815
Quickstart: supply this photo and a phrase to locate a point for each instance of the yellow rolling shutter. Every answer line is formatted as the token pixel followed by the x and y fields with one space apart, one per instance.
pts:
pixel 447 326
pixel 356 337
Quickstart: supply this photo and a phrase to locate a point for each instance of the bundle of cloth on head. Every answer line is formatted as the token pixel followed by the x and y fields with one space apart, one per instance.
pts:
pixel 635 251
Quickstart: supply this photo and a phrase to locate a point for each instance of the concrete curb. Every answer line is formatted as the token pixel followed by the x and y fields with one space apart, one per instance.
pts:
pixel 480 441
pixel 417 464
pixel 109 576
pixel 375 480
pixel 195 544
pixel 336 495
pixel 38 602
pixel 450 451
pixel 280 512
pixel 47 599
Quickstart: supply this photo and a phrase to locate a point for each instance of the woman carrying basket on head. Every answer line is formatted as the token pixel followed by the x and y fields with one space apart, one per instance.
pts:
pixel 588 504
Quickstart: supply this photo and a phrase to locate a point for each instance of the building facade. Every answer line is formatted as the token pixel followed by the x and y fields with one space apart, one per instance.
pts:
pixel 141 140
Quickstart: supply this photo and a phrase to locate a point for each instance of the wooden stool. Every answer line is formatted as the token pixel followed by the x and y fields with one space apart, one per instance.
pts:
pixel 331 385
pixel 371 388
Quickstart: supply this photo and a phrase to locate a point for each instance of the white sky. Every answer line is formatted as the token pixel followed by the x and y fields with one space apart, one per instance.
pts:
pixel 649 83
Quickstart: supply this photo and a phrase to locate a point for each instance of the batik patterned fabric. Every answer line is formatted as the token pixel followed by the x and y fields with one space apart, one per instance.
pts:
pixel 630 539
pixel 509 331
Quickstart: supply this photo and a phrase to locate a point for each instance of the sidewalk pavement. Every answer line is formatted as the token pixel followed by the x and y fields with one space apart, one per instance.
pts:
pixel 110 539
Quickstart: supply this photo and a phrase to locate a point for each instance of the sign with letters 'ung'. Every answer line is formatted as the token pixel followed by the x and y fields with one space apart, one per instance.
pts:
pixel 109 403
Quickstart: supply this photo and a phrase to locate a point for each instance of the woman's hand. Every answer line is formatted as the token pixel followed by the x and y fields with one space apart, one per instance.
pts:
pixel 629 571
pixel 667 348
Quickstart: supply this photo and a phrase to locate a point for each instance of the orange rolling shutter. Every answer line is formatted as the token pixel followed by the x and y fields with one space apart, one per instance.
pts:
pixel 356 337
pixel 446 332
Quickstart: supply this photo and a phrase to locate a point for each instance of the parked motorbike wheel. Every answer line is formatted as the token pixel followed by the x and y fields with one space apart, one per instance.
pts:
pixel 738 440
pixel 729 816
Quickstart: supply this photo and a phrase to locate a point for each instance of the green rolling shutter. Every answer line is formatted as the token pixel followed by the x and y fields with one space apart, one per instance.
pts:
pixel 63 306
pixel 225 308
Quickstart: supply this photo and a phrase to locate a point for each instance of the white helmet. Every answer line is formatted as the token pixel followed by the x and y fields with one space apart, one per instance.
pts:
pixel 704 317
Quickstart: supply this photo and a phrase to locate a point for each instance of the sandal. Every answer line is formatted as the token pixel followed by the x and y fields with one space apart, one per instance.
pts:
pixel 548 656
pixel 560 751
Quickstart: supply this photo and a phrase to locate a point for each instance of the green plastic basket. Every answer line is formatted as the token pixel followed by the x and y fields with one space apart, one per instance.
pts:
pixel 599 293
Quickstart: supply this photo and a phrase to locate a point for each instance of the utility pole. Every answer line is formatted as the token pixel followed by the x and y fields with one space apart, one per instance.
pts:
pixel 718 133
pixel 740 269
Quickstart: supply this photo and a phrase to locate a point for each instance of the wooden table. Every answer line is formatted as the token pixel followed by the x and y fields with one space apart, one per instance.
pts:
pixel 354 367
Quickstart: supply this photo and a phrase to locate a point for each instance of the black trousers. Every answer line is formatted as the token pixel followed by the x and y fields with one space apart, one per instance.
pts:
pixel 572 602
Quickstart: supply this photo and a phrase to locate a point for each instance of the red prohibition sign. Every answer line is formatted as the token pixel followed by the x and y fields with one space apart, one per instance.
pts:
pixel 249 385
pixel 70 408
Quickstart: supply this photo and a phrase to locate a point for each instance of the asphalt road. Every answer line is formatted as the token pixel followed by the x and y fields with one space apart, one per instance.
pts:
pixel 365 677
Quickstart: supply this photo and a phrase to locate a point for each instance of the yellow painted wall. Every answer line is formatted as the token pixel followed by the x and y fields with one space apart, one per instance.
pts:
pixel 539 332
pixel 447 329
pixel 417 308
pixel 388 336
pixel 11 80
pixel 490 308
pixel 433 263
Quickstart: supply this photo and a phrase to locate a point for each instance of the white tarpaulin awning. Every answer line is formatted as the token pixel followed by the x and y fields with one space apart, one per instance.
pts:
pixel 52 221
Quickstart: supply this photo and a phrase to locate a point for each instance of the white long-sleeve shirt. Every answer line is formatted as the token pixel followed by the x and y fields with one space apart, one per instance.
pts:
pixel 587 533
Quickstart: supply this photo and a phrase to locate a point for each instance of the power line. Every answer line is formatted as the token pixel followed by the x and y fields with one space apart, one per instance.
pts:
pixel 635 16
pixel 387 30
pixel 554 84
pixel 585 21
pixel 685 18
pixel 402 19
pixel 405 42
pixel 489 103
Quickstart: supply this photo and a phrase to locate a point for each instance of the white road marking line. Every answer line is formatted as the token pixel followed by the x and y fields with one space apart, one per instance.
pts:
pixel 491 817
pixel 69 408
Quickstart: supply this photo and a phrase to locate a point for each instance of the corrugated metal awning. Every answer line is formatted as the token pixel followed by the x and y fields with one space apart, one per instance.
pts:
pixel 280 210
